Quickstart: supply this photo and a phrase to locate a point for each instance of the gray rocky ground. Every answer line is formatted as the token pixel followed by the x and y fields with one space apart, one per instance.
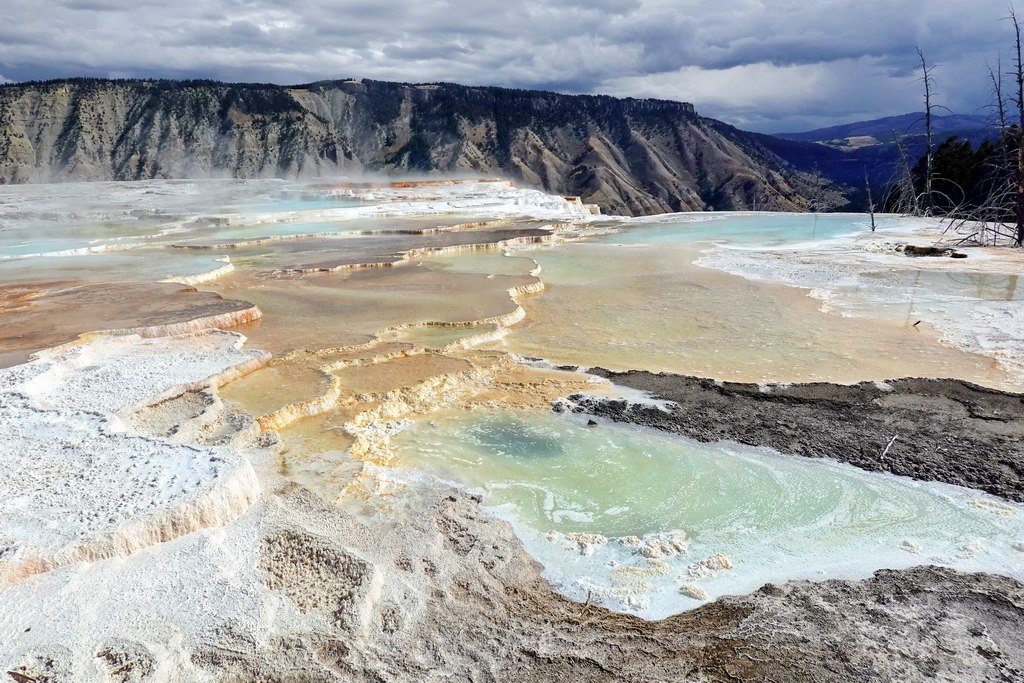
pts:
pixel 944 430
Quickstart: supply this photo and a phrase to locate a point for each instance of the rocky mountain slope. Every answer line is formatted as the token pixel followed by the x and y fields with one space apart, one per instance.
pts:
pixel 629 156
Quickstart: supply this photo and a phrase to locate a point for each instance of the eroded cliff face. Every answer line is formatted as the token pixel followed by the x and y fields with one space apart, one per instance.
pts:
pixel 629 156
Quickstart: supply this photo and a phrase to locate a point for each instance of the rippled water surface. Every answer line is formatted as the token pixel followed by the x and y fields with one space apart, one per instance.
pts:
pixel 774 517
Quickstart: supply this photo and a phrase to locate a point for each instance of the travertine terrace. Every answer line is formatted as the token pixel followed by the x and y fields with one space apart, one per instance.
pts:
pixel 210 392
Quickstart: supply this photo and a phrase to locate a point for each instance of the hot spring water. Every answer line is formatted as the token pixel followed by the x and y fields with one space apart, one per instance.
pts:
pixel 577 494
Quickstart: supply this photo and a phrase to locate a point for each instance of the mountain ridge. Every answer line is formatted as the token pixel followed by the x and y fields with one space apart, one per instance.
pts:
pixel 912 123
pixel 627 155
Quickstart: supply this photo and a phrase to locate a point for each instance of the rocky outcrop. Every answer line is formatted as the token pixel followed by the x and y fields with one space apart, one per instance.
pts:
pixel 628 156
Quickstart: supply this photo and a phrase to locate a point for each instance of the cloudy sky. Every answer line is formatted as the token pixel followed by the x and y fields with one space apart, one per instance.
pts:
pixel 769 65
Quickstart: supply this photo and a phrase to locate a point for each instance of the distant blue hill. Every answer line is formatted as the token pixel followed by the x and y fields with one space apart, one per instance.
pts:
pixel 845 153
pixel 882 129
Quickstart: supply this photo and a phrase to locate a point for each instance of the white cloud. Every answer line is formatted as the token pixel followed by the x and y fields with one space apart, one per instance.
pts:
pixel 763 95
pixel 767 63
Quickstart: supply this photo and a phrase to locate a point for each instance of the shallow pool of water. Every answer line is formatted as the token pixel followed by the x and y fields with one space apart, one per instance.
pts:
pixel 748 230
pixel 306 202
pixel 773 517
pixel 651 308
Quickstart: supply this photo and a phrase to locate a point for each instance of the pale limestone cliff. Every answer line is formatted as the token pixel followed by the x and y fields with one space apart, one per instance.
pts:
pixel 628 156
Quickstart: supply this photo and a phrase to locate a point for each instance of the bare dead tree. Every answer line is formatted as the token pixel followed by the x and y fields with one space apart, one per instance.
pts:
pixel 871 202
pixel 998 219
pixel 759 199
pixel 822 197
pixel 1019 75
pixel 907 202
pixel 926 78
pixel 996 76
pixel 990 224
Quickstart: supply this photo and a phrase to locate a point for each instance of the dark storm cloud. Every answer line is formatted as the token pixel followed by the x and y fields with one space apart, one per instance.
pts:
pixel 768 64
